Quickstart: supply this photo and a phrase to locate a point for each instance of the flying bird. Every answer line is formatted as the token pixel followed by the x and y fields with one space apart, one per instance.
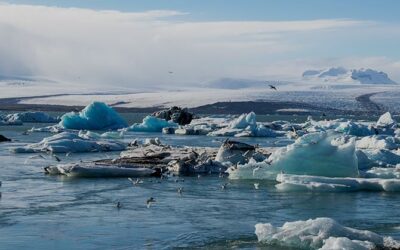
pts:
pixel 272 87
pixel 180 190
pixel 223 186
pixel 119 205
pixel 135 182
pixel 150 201
pixel 256 185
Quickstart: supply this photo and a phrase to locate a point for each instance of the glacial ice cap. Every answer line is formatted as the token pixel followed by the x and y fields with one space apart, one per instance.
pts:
pixel 95 116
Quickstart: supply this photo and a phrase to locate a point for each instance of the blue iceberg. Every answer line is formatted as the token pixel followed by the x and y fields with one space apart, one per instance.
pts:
pixel 152 124
pixel 96 116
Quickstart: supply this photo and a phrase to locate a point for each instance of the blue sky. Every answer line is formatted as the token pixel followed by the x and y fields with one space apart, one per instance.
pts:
pixel 135 42
pixel 379 10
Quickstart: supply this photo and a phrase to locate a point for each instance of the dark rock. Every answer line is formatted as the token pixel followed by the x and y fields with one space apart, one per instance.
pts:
pixel 176 114
pixel 3 138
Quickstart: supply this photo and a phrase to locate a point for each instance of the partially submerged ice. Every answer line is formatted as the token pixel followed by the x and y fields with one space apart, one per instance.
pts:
pixel 245 126
pixel 320 154
pixel 321 233
pixel 289 182
pixel 386 120
pixel 97 170
pixel 95 116
pixel 31 116
pixel 152 124
pixel 67 142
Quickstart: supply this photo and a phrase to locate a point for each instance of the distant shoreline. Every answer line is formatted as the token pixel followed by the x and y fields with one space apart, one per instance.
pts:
pixel 259 107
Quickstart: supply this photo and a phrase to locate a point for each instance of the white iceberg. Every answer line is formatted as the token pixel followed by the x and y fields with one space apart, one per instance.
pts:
pixel 321 233
pixel 67 142
pixel 96 116
pixel 152 124
pixel 320 154
pixel 386 120
pixel 377 142
pixel 288 182
pixel 30 116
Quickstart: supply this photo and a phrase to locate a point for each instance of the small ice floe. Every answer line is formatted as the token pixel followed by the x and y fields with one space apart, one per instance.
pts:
pixel 152 124
pixel 96 170
pixel 31 116
pixel 320 154
pixel 68 142
pixel 321 233
pixel 288 182
pixel 245 126
pixel 235 152
pixel 95 116
pixel 386 121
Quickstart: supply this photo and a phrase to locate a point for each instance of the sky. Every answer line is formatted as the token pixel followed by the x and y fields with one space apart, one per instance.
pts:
pixel 137 43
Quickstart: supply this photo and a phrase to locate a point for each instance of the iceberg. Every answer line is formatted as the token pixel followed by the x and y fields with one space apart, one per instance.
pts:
pixel 356 129
pixel 95 116
pixel 235 152
pixel 152 124
pixel 384 173
pixel 320 154
pixel 321 233
pixel 381 157
pixel 34 117
pixel 67 142
pixel 289 182
pixel 386 120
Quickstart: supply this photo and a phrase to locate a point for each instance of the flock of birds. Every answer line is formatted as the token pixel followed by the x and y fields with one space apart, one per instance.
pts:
pixel 150 201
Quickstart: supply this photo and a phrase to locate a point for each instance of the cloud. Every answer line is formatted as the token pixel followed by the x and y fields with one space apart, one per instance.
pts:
pixel 138 49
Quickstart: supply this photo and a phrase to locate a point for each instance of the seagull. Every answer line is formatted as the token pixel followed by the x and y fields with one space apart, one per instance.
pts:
pixel 150 201
pixel 170 72
pixel 223 186
pixel 119 205
pixel 198 176
pixel 135 182
pixel 256 185
pixel 272 87
pixel 68 154
pixel 180 190
pixel 56 157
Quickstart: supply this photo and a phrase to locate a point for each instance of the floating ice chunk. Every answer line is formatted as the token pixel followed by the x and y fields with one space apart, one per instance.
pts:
pixel 37 117
pixel 289 182
pixel 70 142
pixel 96 116
pixel 95 170
pixel 244 121
pixel 152 124
pixel 343 243
pixel 377 142
pixel 321 154
pixel 386 120
pixel 225 132
pixel 320 233
pixel 234 152
pixel 356 129
pixel 385 173
pixel 4 122
pixel 105 135
pixel 382 157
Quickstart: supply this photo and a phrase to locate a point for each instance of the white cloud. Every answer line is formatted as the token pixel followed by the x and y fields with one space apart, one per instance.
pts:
pixel 138 49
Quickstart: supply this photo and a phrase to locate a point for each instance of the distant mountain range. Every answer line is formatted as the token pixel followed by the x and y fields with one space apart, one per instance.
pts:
pixel 340 74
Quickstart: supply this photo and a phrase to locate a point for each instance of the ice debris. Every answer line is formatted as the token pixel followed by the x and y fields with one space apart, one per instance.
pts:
pixel 151 124
pixel 67 142
pixel 30 116
pixel 321 233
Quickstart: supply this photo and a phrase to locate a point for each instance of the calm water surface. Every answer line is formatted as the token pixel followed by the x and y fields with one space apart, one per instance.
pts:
pixel 47 212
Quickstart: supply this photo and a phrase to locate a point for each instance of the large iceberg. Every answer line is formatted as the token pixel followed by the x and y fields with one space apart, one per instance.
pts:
pixel 30 116
pixel 95 116
pixel 67 142
pixel 321 233
pixel 289 182
pixel 320 154
pixel 151 124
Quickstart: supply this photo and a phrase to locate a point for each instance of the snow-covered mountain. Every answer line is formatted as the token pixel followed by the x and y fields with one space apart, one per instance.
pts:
pixel 340 74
